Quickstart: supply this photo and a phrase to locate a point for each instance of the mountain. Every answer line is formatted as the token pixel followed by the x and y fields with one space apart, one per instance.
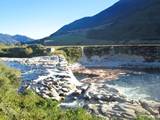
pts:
pixel 22 38
pixel 126 22
pixel 17 39
pixel 7 39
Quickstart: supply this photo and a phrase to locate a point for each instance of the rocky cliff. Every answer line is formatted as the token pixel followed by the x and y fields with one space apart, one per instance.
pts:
pixel 119 56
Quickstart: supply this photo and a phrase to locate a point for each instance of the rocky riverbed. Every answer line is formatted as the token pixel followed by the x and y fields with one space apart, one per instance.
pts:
pixel 50 77
pixel 96 75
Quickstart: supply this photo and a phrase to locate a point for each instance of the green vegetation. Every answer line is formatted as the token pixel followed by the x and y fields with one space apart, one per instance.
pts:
pixel 72 54
pixel 144 118
pixel 30 106
pixel 23 51
pixel 99 51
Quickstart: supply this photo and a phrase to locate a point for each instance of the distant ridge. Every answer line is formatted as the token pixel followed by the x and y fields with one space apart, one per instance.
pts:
pixel 22 38
pixel 17 39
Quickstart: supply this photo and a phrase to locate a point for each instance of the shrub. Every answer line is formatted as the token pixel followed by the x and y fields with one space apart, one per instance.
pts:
pixel 72 54
pixel 23 51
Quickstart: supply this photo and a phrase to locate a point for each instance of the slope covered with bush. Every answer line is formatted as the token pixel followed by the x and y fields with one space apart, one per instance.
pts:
pixel 126 22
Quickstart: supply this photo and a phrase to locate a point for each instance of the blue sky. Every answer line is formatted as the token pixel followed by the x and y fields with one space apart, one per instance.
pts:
pixel 40 18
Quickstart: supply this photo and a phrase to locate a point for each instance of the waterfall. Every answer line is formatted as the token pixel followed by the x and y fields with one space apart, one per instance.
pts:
pixel 83 59
pixel 112 51
pixel 83 54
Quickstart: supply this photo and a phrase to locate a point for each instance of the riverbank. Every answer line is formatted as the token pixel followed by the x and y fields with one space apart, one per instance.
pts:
pixel 51 78
pixel 15 105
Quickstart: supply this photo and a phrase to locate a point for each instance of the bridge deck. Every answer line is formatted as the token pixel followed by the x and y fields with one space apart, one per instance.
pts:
pixel 140 45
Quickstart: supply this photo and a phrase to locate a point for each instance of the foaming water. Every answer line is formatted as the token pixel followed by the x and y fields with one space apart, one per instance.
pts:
pixel 139 85
pixel 29 72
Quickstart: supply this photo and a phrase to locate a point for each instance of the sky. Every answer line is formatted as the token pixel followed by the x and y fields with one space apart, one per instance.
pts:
pixel 40 18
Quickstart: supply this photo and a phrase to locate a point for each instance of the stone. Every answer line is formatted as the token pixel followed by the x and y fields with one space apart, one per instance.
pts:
pixel 93 108
pixel 65 90
pixel 115 110
pixel 152 107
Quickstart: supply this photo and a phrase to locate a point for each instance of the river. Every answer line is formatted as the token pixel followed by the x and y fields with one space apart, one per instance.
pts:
pixel 135 85
pixel 139 85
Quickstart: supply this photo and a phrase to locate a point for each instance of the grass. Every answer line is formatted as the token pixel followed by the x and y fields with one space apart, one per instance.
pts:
pixel 143 117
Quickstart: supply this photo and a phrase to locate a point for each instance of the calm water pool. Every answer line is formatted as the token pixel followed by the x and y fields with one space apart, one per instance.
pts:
pixel 140 85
